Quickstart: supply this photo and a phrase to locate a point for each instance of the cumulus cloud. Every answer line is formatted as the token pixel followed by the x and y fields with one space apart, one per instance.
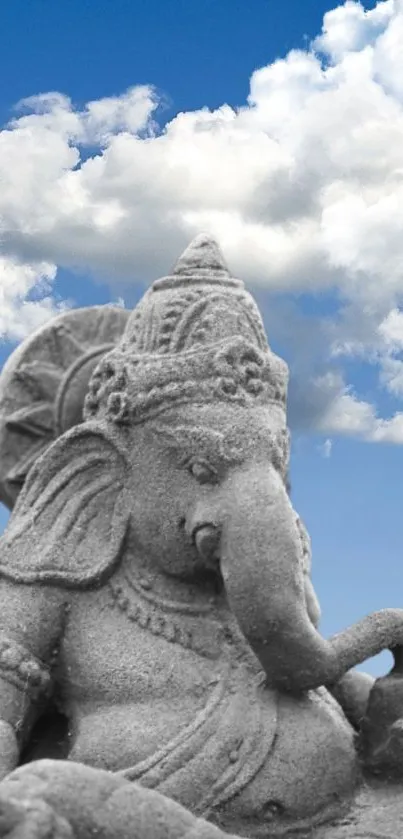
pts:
pixel 345 414
pixel 25 299
pixel 302 185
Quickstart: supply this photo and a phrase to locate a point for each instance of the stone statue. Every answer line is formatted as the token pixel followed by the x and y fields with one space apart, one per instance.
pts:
pixel 43 386
pixel 155 582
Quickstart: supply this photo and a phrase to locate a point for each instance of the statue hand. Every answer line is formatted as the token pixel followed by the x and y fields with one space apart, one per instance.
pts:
pixel 381 739
pixel 385 756
pixel 31 819
pixel 57 799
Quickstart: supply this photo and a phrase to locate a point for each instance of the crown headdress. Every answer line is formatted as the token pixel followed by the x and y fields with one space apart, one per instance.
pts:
pixel 195 337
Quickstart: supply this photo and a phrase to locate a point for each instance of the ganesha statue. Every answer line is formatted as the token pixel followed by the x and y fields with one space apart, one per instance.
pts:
pixel 155 587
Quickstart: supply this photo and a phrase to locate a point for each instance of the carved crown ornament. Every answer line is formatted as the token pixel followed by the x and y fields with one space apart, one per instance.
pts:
pixel 196 337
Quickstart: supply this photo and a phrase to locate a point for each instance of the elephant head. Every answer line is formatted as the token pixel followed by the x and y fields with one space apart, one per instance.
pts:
pixel 183 461
pixel 223 507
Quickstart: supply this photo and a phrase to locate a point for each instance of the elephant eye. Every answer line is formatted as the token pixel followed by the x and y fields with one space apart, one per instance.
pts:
pixel 203 473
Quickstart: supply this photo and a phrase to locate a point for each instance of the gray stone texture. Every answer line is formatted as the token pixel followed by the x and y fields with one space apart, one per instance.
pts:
pixel 156 592
pixel 43 386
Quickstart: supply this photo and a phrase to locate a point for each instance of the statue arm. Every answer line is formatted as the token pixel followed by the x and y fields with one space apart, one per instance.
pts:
pixel 352 693
pixel 31 623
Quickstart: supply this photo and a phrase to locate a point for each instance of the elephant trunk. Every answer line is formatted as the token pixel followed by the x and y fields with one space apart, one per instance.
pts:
pixel 261 565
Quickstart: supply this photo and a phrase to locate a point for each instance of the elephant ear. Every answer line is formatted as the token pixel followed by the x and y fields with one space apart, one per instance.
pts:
pixel 70 522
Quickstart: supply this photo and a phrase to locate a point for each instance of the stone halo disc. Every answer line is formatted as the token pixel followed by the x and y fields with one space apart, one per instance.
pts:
pixel 44 383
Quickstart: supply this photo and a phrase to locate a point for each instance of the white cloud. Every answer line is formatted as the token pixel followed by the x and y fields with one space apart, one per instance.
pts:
pixel 130 112
pixel 20 314
pixel 388 430
pixel 391 330
pixel 303 186
pixel 347 415
pixel 391 375
pixel 350 28
pixel 325 448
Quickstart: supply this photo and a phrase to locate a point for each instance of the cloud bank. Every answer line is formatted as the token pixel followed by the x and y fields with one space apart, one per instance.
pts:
pixel 302 185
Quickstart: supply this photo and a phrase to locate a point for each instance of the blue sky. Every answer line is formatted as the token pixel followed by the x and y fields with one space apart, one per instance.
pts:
pixel 104 185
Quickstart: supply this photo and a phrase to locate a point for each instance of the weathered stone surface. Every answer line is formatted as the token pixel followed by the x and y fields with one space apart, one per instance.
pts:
pixel 377 814
pixel 91 804
pixel 155 581
pixel 43 386
pixel 58 800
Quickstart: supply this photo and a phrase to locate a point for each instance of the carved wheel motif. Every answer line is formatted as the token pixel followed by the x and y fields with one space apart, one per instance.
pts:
pixel 43 386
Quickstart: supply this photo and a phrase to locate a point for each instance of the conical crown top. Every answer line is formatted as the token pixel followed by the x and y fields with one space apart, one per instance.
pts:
pixel 196 336
pixel 202 261
pixel 203 254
